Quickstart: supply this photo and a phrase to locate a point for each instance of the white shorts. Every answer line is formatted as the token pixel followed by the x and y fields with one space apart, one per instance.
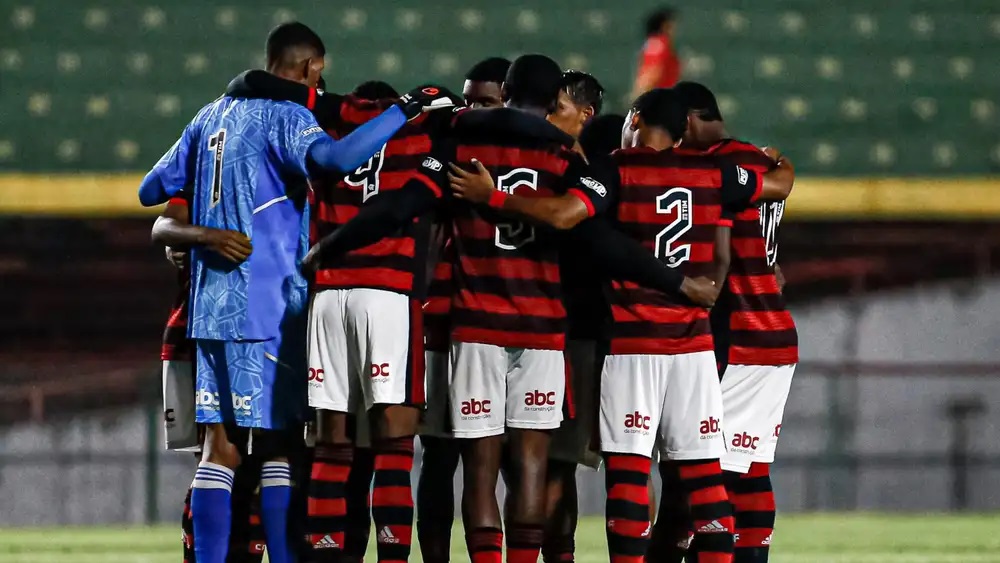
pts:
pixel 436 422
pixel 753 399
pixel 179 425
pixel 677 397
pixel 363 350
pixel 571 442
pixel 493 388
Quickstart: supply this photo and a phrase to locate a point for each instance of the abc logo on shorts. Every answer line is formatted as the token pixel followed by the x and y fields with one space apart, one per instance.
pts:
pixel 474 408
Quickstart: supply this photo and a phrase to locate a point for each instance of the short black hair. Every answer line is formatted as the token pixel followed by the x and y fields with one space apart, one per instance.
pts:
pixel 661 107
pixel 533 81
pixel 493 69
pixel 602 135
pixel 287 37
pixel 375 90
pixel 699 99
pixel 584 89
pixel 655 21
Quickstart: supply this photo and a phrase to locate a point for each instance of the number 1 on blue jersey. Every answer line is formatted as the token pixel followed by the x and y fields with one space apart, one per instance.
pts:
pixel 217 143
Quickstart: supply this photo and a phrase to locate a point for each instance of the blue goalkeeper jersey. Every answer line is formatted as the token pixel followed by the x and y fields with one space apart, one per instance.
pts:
pixel 246 160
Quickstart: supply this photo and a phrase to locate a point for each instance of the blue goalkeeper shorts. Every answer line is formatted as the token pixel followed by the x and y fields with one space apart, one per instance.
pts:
pixel 253 384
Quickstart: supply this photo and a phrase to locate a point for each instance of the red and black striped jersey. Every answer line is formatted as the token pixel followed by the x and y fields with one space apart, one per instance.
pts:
pixel 397 262
pixel 176 345
pixel 672 204
pixel 437 306
pixel 754 323
pixel 507 283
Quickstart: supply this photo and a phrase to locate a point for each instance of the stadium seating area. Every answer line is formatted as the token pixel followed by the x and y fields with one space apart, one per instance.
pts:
pixel 851 87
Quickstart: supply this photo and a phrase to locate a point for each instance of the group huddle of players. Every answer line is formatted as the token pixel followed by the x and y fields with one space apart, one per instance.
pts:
pixel 520 281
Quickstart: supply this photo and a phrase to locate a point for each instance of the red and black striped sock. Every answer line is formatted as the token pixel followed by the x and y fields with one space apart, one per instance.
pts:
pixel 327 505
pixel 752 496
pixel 711 513
pixel 392 498
pixel 187 530
pixel 485 545
pixel 627 507
pixel 524 542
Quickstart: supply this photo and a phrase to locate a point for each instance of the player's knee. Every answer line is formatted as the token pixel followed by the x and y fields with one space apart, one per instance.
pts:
pixel 396 421
pixel 332 427
pixel 220 447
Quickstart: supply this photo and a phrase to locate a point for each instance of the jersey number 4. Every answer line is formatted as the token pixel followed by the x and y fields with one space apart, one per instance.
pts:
pixel 366 176
pixel 511 235
pixel 217 144
pixel 677 202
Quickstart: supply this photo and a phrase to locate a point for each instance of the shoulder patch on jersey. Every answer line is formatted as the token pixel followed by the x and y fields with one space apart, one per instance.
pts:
pixel 594 185
pixel 433 164
pixel 744 176
pixel 311 131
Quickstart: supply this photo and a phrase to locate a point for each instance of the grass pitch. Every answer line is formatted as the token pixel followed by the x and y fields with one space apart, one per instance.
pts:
pixel 803 538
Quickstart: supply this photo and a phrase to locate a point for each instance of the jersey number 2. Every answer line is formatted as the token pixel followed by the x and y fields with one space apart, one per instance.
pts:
pixel 217 144
pixel 366 176
pixel 511 235
pixel 676 201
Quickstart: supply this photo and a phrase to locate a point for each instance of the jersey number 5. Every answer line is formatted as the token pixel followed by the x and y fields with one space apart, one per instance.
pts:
pixel 511 235
pixel 366 176
pixel 677 202
pixel 217 144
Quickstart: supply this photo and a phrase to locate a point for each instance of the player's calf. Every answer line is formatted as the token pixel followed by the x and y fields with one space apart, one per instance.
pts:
pixel 711 513
pixel 672 530
pixel 480 511
pixel 752 496
pixel 211 495
pixel 627 506
pixel 562 513
pixel 327 505
pixel 392 495
pixel 529 453
pixel 246 539
pixel 436 498
pixel 359 520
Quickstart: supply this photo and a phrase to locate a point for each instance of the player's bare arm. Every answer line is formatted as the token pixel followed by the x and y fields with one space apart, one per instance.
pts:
pixel 173 230
pixel 625 259
pixel 386 213
pixel 561 212
pixel 777 183
pixel 780 276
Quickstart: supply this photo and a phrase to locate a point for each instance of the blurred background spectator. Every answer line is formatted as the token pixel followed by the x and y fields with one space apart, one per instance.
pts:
pixel 659 66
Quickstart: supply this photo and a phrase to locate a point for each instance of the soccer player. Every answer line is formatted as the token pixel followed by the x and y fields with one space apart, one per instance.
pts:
pixel 242 158
pixel 393 270
pixel 483 83
pixel 754 333
pixel 439 459
pixel 661 349
pixel 173 228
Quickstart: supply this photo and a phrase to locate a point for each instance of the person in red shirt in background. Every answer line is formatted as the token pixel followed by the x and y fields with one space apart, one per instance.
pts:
pixel 659 66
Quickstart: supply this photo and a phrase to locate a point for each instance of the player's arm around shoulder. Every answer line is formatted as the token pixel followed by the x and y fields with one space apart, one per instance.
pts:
pixel 585 197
